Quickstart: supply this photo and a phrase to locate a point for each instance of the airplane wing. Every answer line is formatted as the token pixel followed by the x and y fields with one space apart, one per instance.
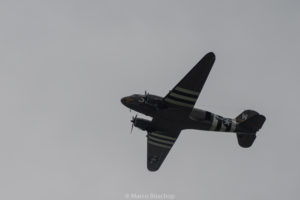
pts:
pixel 186 92
pixel 158 147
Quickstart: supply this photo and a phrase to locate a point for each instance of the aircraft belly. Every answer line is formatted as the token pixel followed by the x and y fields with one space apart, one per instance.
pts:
pixel 197 119
pixel 179 121
pixel 175 115
pixel 196 124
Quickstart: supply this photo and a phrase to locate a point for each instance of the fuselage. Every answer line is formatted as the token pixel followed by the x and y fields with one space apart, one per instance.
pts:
pixel 155 107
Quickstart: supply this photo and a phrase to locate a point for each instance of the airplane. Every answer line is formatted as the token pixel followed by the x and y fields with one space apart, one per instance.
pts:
pixel 175 112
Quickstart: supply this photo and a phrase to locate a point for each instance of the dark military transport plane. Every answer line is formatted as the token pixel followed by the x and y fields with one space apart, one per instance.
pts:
pixel 175 112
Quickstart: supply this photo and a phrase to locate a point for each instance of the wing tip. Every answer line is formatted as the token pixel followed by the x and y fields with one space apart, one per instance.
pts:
pixel 211 55
pixel 152 168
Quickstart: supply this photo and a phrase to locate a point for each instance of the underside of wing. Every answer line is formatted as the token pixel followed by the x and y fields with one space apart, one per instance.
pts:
pixel 159 143
pixel 186 92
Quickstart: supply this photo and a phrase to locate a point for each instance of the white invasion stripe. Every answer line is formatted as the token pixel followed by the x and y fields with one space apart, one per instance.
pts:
pixel 218 128
pixel 159 145
pixel 161 140
pixel 233 126
pixel 223 128
pixel 178 103
pixel 183 97
pixel 163 136
pixel 187 91
pixel 214 123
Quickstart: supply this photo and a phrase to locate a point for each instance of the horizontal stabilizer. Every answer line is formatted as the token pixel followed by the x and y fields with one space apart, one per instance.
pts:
pixel 251 125
pixel 245 139
pixel 249 122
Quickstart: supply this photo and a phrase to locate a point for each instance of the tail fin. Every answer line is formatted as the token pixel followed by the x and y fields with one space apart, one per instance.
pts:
pixel 249 122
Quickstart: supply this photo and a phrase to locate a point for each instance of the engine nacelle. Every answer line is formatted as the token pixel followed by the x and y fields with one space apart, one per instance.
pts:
pixel 142 124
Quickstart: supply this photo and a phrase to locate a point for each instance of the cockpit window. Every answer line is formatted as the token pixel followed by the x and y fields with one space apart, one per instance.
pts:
pixel 141 100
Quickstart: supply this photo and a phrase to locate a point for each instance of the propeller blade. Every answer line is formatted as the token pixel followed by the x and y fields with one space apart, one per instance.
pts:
pixel 133 121
pixel 146 95
pixel 131 128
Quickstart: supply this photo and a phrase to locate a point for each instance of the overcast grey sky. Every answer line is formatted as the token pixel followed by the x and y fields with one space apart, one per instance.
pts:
pixel 65 65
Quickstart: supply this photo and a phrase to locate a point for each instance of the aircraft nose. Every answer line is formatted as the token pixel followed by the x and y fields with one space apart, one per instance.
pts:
pixel 123 100
pixel 126 101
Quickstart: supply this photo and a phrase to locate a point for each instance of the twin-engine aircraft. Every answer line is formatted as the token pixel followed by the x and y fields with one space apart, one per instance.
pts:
pixel 175 112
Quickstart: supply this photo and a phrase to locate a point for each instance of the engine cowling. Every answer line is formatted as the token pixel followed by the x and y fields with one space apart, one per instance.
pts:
pixel 142 124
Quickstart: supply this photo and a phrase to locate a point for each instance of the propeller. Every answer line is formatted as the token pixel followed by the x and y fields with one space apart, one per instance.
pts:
pixel 146 95
pixel 133 121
